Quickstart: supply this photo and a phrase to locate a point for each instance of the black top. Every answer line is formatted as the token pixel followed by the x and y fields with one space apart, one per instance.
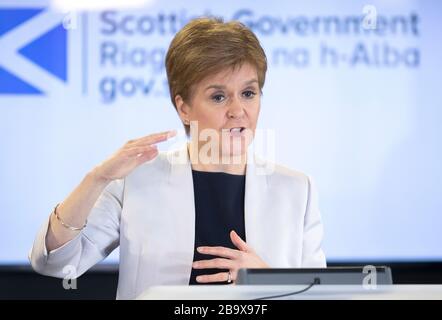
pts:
pixel 219 208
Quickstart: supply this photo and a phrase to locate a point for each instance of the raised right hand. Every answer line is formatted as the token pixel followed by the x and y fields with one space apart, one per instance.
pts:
pixel 131 155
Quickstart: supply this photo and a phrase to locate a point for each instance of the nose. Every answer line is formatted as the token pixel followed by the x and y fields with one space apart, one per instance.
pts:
pixel 236 110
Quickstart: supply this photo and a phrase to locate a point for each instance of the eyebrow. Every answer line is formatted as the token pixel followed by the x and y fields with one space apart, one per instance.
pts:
pixel 219 86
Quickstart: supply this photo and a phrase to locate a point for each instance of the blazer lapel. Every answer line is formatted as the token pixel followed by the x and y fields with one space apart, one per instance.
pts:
pixel 180 184
pixel 255 206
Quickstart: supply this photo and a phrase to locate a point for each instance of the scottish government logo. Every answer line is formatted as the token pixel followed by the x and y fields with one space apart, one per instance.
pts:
pixel 33 51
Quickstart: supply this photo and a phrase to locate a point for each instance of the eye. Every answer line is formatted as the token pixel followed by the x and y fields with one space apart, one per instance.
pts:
pixel 249 94
pixel 218 98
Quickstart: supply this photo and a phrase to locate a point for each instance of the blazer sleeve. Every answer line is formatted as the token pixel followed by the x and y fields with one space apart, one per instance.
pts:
pixel 94 243
pixel 312 254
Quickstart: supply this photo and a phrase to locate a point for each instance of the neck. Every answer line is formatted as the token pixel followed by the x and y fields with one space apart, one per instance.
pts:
pixel 227 164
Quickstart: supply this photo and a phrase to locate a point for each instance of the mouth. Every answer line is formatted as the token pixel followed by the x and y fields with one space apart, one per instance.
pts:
pixel 236 131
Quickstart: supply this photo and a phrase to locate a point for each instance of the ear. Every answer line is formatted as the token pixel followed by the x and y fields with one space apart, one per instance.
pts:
pixel 182 108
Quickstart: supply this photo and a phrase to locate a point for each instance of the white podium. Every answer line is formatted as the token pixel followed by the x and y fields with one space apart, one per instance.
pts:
pixel 319 292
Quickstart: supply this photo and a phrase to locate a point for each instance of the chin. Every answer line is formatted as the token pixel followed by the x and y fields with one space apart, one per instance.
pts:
pixel 235 147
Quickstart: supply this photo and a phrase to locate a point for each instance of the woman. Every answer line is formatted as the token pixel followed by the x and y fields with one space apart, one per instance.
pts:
pixel 196 214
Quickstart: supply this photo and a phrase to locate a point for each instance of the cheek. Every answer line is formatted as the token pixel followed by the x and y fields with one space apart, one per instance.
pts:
pixel 253 114
pixel 212 118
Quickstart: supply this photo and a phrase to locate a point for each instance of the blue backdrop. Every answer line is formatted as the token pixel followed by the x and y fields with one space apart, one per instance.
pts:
pixel 352 94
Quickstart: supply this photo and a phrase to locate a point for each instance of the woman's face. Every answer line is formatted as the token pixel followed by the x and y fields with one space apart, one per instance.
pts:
pixel 224 107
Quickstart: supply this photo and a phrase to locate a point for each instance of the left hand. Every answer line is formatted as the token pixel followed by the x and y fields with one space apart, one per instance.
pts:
pixel 231 259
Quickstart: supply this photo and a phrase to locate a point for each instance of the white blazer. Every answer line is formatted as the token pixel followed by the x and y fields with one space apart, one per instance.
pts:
pixel 151 215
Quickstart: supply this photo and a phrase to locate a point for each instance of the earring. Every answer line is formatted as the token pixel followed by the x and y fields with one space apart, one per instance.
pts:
pixel 186 122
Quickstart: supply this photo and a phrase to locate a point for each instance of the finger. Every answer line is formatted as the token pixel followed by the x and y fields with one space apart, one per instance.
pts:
pixel 150 139
pixel 168 134
pixel 147 155
pixel 238 242
pixel 143 157
pixel 217 277
pixel 217 263
pixel 154 138
pixel 220 252
pixel 133 152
